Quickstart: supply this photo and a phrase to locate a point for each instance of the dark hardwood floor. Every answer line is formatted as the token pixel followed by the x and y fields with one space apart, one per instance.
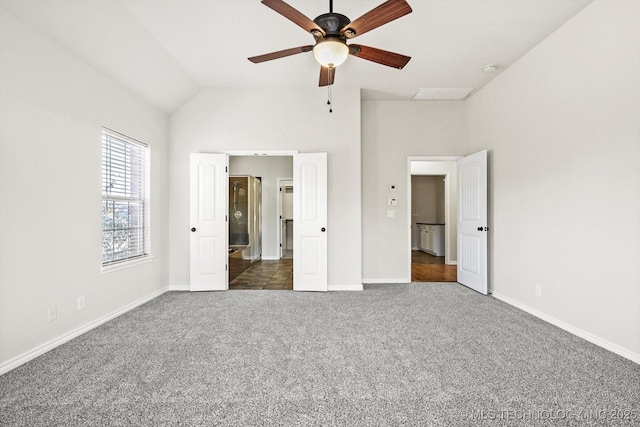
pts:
pixel 276 275
pixel 429 268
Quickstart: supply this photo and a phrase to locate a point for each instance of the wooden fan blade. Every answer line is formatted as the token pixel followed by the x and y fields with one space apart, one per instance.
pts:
pixel 385 13
pixel 380 56
pixel 327 76
pixel 293 15
pixel 280 54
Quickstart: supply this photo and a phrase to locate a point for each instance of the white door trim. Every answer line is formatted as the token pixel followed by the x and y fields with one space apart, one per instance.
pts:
pixel 250 153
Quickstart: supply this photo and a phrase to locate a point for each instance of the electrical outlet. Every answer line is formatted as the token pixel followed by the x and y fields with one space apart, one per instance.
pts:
pixel 53 313
pixel 391 213
pixel 81 303
pixel 538 291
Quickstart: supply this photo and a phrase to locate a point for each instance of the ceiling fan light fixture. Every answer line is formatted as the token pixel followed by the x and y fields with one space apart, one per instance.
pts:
pixel 331 53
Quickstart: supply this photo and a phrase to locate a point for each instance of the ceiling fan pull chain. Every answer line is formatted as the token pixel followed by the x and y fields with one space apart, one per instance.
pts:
pixel 329 100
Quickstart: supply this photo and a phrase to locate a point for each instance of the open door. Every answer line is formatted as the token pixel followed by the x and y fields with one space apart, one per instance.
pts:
pixel 472 222
pixel 310 216
pixel 208 215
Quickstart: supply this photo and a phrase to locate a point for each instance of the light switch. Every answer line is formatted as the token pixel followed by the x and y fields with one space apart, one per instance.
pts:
pixel 392 201
pixel 392 187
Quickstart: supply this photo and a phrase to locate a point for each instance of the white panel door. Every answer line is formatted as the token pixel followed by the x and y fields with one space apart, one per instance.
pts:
pixel 310 222
pixel 208 217
pixel 472 222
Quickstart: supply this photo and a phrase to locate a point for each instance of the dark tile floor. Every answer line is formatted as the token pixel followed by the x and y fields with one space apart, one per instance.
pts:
pixel 266 275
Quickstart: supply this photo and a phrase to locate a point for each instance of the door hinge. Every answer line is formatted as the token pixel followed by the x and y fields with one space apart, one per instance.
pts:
pixel 225 219
pixel 226 267
pixel 226 169
pixel 280 189
pixel 280 244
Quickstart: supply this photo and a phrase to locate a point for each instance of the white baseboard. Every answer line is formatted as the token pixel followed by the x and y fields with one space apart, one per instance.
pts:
pixel 377 281
pixel 50 345
pixel 356 287
pixel 179 288
pixel 270 258
pixel 601 342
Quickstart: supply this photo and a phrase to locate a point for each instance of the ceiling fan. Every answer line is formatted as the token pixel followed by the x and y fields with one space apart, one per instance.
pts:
pixel 331 32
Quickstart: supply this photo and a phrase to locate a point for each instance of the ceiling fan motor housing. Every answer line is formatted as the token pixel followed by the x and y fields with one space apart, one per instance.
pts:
pixel 332 23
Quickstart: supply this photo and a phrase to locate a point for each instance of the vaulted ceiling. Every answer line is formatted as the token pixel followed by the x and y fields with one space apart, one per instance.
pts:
pixel 168 50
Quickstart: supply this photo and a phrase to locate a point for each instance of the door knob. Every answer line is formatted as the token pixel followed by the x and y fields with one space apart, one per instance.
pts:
pixel 193 229
pixel 323 229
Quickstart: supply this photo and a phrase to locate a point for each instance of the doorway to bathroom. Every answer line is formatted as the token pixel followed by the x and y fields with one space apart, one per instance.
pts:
pixel 260 250
pixel 209 211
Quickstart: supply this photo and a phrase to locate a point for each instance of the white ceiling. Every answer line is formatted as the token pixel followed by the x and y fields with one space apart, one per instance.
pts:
pixel 168 50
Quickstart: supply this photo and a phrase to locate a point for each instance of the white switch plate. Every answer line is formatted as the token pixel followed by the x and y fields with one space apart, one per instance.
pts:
pixel 392 187
pixel 81 303
pixel 391 213
pixel 392 201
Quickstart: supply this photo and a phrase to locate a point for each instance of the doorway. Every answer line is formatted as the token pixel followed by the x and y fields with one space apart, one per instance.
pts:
pixel 433 217
pixel 209 197
pixel 428 223
pixel 466 214
pixel 285 216
pixel 259 265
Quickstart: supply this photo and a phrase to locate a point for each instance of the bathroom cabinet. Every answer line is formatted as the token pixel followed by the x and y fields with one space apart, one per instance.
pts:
pixel 431 238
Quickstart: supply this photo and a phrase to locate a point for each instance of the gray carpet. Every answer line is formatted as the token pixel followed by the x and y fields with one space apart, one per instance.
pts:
pixel 414 355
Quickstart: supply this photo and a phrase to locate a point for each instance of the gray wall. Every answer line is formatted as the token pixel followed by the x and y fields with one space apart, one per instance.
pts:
pixel 52 109
pixel 391 132
pixel 218 120
pixel 561 126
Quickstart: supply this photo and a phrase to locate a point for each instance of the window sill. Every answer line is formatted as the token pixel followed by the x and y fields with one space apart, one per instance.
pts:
pixel 126 264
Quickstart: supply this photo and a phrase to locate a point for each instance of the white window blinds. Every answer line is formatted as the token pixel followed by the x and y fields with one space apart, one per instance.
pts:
pixel 125 185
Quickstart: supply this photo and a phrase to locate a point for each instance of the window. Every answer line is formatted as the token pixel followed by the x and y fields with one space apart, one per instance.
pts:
pixel 125 202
